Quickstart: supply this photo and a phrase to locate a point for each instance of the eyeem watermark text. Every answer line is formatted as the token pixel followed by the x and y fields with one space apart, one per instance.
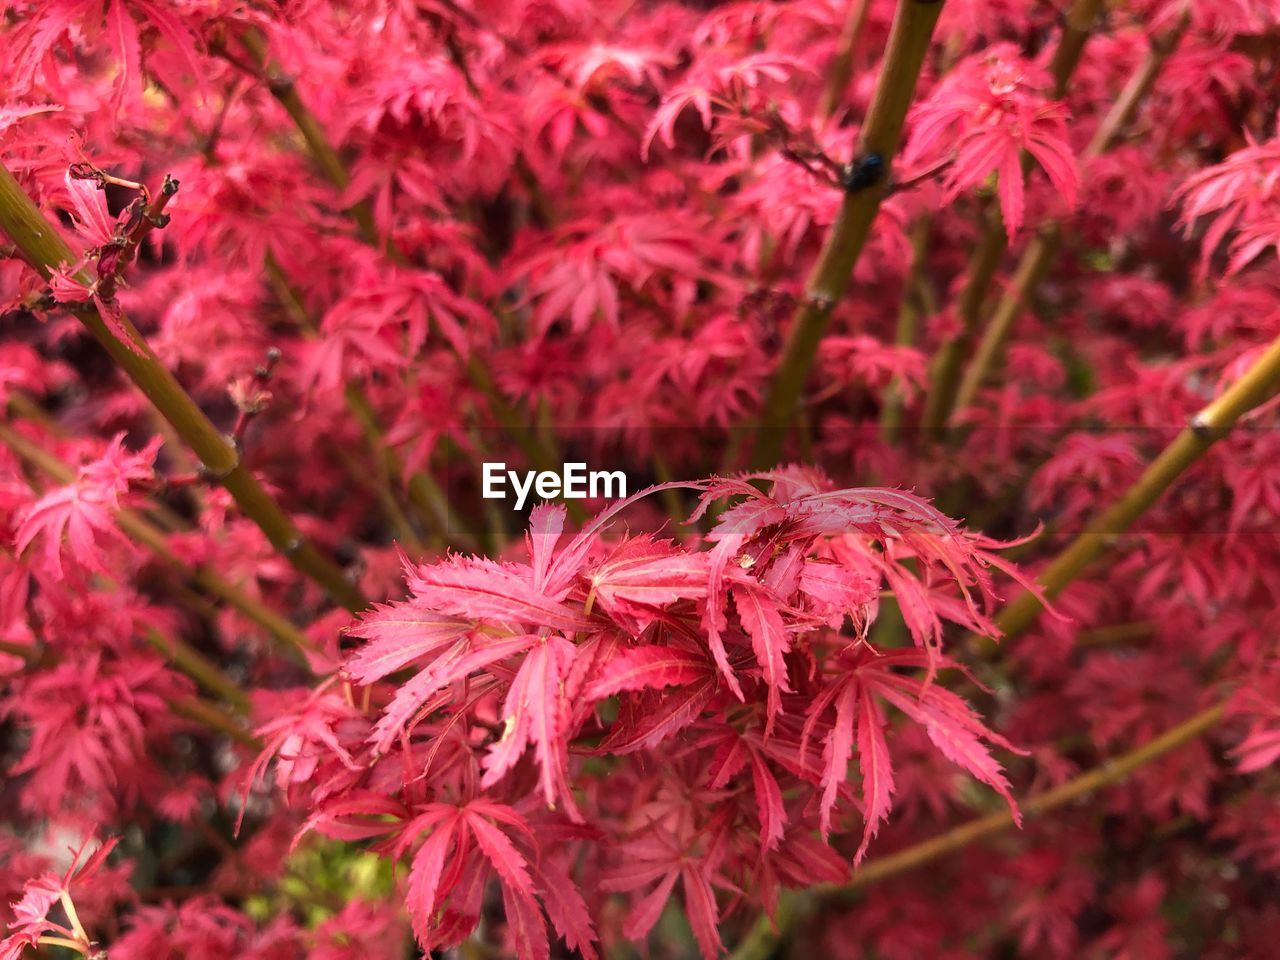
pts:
pixel 573 482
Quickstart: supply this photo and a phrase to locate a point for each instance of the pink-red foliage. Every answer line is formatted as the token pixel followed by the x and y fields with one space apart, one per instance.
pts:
pixel 411 238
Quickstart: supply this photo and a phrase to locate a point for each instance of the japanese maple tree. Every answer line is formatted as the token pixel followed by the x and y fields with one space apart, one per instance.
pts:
pixel 938 344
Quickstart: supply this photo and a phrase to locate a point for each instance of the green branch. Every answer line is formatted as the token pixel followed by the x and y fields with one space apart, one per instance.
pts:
pixel 761 941
pixel 878 143
pixel 326 157
pixel 1035 262
pixel 1258 384
pixel 944 371
pixel 140 530
pixel 208 715
pixel 916 304
pixel 43 247
pixel 542 456
pixel 199 668
pixel 841 69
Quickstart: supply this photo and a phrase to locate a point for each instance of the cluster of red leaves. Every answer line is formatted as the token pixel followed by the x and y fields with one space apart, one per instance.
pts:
pixel 982 117
pixel 732 654
pixel 452 217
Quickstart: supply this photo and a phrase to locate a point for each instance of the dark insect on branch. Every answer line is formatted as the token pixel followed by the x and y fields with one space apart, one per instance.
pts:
pixel 863 171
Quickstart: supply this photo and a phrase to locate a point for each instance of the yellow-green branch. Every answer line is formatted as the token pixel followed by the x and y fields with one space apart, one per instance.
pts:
pixel 1258 384
pixel 841 69
pixel 1035 262
pixel 540 453
pixel 43 247
pixel 944 371
pixel 765 935
pixel 141 531
pixel 881 134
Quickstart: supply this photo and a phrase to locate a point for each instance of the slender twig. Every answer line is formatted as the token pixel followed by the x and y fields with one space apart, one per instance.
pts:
pixel 1115 633
pixel 43 247
pixel 763 938
pixel 1035 262
pixel 944 371
pixel 925 175
pixel 1077 27
pixel 292 303
pixel 913 307
pixel 26 654
pixel 145 215
pixel 208 715
pixel 374 481
pixel 866 186
pixel 184 657
pixel 251 397
pixel 1032 269
pixel 945 368
pixel 191 707
pixel 1107 773
pixel 322 151
pixel 389 475
pixel 199 668
pixel 841 68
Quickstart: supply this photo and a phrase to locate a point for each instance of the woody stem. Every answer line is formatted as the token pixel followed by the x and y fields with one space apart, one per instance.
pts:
pixel 944 371
pixel 538 449
pixel 909 40
pixel 43 247
pixel 1211 424
pixel 764 936
pixel 142 531
pixel 1035 262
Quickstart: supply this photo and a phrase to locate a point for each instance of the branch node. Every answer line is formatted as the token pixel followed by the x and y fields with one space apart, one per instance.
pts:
pixel 220 476
pixel 293 547
pixel 1200 427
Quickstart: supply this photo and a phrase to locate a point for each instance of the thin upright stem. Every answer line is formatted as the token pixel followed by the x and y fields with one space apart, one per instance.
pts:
pixel 1077 27
pixel 948 361
pixel 841 68
pixel 1037 258
pixel 183 656
pixel 909 40
pixel 542 455
pixel 322 150
pixel 945 370
pixel 387 479
pixel 1032 268
pixel 916 304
